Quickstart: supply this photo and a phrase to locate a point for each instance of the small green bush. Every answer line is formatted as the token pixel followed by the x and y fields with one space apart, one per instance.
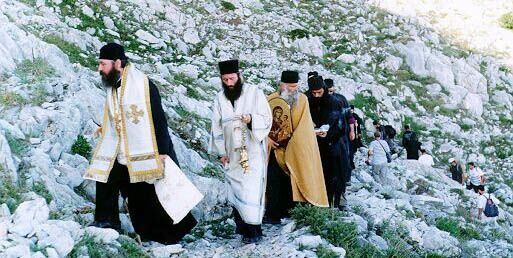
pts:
pixel 81 147
pixel 298 34
pixel 228 6
pixel 506 20
pixel 323 252
pixel 213 171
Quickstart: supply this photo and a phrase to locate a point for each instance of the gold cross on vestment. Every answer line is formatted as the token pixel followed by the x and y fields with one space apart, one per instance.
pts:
pixel 134 114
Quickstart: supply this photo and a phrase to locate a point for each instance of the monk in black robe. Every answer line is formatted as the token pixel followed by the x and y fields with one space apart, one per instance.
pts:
pixel 327 110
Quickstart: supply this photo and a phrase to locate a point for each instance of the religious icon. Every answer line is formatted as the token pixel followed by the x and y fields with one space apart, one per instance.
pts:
pixel 281 129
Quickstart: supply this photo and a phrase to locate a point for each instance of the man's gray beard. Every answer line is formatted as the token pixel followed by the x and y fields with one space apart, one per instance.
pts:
pixel 290 97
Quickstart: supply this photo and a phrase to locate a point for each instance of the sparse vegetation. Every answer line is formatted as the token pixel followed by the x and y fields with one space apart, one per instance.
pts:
pixel 74 53
pixel 11 98
pixel 18 146
pixel 329 224
pixel 457 229
pixel 39 96
pixel 34 70
pixel 40 189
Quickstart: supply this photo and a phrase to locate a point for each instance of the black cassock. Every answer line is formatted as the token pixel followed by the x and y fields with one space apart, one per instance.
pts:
pixel 334 153
pixel 148 217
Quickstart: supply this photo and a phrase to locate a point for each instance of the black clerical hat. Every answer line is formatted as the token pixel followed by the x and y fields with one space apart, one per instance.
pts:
pixel 312 74
pixel 315 83
pixel 289 77
pixel 113 51
pixel 229 66
pixel 329 83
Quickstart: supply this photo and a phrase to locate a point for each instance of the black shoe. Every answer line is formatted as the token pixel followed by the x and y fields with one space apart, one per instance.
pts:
pixel 271 221
pixel 251 240
pixel 106 224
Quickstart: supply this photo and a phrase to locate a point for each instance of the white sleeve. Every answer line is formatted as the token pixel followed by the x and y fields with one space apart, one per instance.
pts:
pixel 261 117
pixel 217 143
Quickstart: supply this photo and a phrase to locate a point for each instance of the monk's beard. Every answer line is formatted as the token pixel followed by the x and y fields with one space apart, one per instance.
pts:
pixel 290 97
pixel 234 93
pixel 321 101
pixel 110 79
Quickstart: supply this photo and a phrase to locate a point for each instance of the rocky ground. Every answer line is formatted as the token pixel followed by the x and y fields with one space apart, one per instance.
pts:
pixel 391 66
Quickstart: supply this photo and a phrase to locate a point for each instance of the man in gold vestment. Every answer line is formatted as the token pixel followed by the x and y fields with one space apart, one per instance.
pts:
pixel 294 171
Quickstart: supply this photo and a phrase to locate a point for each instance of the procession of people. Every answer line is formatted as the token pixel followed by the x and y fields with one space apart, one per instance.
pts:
pixel 277 151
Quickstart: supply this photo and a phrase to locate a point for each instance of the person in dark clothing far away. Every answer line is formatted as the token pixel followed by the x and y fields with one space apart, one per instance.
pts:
pixel 380 128
pixel 457 171
pixel 411 143
pixel 355 122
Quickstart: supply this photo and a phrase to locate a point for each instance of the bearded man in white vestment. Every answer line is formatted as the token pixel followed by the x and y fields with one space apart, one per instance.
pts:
pixel 241 121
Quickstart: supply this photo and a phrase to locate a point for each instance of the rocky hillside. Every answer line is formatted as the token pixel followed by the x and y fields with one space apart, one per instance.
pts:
pixel 389 65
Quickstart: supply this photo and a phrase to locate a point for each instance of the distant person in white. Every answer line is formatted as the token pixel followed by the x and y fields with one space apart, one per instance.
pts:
pixel 426 159
pixel 377 157
pixel 481 205
pixel 476 176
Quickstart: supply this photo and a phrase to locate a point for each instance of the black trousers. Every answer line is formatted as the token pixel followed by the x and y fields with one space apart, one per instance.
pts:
pixel 245 229
pixel 278 191
pixel 148 217
pixel 336 178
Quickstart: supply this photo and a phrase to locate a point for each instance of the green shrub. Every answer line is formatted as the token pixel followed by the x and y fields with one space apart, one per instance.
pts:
pixel 81 147
pixel 506 20
pixel 35 70
pixel 298 34
pixel 456 229
pixel 323 252
pixel 328 224
pixel 127 248
pixel 11 98
pixel 228 6
pixel 413 125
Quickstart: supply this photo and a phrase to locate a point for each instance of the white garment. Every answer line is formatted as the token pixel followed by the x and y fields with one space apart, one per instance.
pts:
pixel 426 160
pixel 481 204
pixel 246 191
pixel 475 175
pixel 379 149
pixel 136 140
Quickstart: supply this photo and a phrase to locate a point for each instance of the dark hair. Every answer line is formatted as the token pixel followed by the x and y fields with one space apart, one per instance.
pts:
pixel 471 164
pixel 423 150
pixel 351 106
pixel 481 187
pixel 377 134
pixel 375 122
pixel 407 127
